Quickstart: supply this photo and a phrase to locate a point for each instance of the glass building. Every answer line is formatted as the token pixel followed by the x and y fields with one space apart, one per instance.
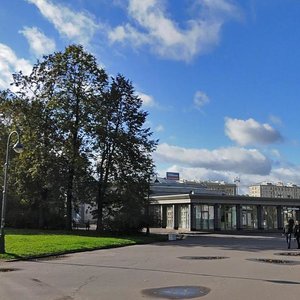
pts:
pixel 200 212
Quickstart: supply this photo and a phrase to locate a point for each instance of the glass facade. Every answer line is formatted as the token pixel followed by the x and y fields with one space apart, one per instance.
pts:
pixel 228 217
pixel 289 213
pixel 203 217
pixel 170 216
pixel 249 217
pixel 200 216
pixel 269 217
pixel 183 216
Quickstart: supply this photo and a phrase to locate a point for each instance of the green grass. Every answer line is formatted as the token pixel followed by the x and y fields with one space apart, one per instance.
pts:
pixel 35 243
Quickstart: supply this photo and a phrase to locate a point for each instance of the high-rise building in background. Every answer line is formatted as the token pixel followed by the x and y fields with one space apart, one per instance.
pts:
pixel 278 190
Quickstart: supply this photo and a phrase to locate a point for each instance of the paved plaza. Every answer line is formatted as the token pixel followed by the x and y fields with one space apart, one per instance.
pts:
pixel 222 266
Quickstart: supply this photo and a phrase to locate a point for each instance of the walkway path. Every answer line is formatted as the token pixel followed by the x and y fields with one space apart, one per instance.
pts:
pixel 124 273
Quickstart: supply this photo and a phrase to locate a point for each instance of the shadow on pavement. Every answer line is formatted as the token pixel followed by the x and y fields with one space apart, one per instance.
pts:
pixel 230 242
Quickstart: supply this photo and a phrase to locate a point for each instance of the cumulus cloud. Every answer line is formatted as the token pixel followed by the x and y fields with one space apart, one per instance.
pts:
pixel 148 100
pixel 200 174
pixel 152 26
pixel 76 26
pixel 250 132
pixel 200 99
pixel 9 64
pixel 233 159
pixel 39 43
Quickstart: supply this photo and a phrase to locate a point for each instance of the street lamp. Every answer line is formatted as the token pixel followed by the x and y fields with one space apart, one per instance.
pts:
pixel 18 147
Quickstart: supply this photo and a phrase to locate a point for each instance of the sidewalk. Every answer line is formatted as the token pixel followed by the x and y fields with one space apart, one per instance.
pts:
pixel 226 266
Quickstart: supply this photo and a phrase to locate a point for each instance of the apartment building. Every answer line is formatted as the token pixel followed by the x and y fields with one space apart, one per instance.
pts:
pixel 226 188
pixel 278 190
pixel 163 186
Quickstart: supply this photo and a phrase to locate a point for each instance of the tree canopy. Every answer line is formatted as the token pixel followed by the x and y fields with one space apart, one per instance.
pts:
pixel 85 142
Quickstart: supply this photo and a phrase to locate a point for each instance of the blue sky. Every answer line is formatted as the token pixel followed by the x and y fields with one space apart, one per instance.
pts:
pixel 219 78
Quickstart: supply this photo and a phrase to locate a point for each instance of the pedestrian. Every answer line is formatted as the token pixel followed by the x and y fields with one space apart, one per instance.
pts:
pixel 288 231
pixel 297 233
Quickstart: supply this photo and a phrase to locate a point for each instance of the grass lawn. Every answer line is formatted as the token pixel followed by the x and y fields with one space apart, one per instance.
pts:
pixel 33 243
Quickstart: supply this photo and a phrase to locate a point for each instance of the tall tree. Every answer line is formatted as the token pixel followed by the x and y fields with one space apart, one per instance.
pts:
pixel 79 127
pixel 123 149
pixel 56 100
pixel 76 82
pixel 38 167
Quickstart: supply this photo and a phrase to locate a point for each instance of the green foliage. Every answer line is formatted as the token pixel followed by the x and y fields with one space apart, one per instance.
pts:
pixel 85 142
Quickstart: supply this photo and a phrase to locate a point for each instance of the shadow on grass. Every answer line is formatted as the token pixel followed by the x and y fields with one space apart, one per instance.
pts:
pixel 10 256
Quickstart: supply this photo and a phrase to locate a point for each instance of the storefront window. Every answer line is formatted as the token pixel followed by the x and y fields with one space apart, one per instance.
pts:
pixel 270 217
pixel 228 217
pixel 183 216
pixel 249 217
pixel 203 217
pixel 289 213
pixel 170 219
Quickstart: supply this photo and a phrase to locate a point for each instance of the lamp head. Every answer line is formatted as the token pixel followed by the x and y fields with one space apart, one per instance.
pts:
pixel 18 147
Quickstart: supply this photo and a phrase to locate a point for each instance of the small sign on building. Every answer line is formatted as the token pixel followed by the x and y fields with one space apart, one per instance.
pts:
pixel 172 176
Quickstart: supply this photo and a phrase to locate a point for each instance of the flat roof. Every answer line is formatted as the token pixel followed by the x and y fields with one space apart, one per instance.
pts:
pixel 224 199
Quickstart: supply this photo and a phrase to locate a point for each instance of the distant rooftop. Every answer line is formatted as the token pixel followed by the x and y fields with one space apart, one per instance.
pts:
pixel 279 183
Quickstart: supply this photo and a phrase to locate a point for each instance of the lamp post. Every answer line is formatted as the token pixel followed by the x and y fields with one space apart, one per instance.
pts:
pixel 18 147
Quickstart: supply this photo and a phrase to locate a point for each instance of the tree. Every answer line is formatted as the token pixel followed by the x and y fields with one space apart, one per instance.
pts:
pixel 54 106
pixel 81 131
pixel 123 151
pixel 77 83
pixel 37 171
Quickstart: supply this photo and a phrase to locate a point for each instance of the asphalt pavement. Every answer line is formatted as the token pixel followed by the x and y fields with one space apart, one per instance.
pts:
pixel 199 266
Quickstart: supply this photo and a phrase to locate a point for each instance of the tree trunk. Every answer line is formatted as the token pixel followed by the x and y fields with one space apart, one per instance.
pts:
pixel 69 199
pixel 42 204
pixel 99 208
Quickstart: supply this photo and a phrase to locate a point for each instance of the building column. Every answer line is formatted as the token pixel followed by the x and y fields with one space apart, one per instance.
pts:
pixel 279 217
pixel 175 216
pixel 238 217
pixel 217 223
pixel 192 220
pixel 260 217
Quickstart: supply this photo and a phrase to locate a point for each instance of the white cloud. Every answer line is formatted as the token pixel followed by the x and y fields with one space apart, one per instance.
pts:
pixel 127 32
pixel 159 128
pixel 39 43
pixel 78 27
pixel 286 175
pixel 148 100
pixel 200 174
pixel 151 26
pixel 200 99
pixel 9 64
pixel 250 132
pixel 233 159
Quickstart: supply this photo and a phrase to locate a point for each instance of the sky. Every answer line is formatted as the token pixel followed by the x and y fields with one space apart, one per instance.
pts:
pixel 219 78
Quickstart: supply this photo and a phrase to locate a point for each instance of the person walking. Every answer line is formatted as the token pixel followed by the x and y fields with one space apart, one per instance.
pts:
pixel 288 231
pixel 297 233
